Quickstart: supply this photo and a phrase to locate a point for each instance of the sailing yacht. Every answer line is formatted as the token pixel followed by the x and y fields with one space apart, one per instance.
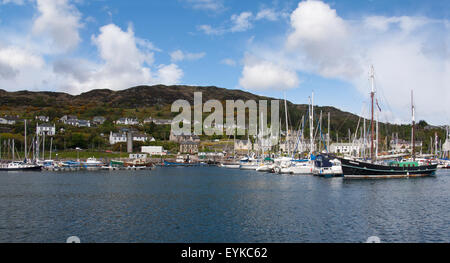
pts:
pixel 18 165
pixel 356 169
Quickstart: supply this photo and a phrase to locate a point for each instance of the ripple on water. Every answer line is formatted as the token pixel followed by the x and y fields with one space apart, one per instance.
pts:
pixel 220 205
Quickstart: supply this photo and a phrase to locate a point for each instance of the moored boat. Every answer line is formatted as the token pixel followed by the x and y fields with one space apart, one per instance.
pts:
pixel 20 166
pixel 354 169
pixel 92 163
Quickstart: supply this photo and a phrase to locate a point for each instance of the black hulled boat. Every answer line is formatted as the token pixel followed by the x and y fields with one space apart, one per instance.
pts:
pixel 354 169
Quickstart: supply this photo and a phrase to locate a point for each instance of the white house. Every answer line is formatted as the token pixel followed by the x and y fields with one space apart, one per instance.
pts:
pixel 243 145
pixel 127 121
pixel 46 128
pixel 66 118
pixel 8 120
pixel 42 118
pixel 122 137
pixel 153 150
pixel 138 156
pixel 345 148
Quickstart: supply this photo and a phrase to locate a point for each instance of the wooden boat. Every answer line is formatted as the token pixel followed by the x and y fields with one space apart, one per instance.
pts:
pixel 354 169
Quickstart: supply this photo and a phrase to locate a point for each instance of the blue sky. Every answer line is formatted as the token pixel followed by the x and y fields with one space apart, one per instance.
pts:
pixel 265 47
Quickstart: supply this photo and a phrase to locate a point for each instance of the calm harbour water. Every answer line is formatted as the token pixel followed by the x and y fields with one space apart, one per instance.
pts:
pixel 209 204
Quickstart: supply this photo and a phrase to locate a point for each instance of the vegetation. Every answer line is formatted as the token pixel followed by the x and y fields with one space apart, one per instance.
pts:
pixel 155 101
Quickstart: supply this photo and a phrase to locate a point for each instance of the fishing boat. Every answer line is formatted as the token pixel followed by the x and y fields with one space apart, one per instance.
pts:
pixel 356 169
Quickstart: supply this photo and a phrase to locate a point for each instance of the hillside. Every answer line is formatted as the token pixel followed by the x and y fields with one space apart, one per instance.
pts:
pixel 155 101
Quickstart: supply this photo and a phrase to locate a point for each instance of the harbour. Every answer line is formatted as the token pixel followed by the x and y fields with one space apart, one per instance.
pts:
pixel 213 121
pixel 212 204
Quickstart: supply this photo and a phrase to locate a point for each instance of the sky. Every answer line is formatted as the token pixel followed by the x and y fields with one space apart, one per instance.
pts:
pixel 273 48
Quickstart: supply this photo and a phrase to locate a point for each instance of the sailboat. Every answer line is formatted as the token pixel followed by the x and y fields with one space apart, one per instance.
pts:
pixel 305 167
pixel 356 169
pixel 20 165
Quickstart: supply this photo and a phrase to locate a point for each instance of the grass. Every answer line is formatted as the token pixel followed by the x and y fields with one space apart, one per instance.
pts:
pixel 88 154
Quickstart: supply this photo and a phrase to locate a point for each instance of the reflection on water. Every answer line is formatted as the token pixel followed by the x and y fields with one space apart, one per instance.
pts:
pixel 219 205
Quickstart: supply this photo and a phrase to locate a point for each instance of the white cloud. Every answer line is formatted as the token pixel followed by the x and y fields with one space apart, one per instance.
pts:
pixel 267 13
pixel 179 55
pixel 408 53
pixel 60 21
pixel 209 30
pixel 265 75
pixel 229 62
pixel 241 22
pixel 169 74
pixel 123 64
pixel 209 5
pixel 17 2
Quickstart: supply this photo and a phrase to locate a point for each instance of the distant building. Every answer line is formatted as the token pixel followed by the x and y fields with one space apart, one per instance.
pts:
pixel 189 147
pixel 400 145
pixel 127 121
pixel 162 122
pixel 183 137
pixel 122 137
pixel 98 120
pixel 157 121
pixel 42 118
pixel 46 128
pixel 138 156
pixel 8 120
pixel 153 150
pixel 68 118
pixel 243 145
pixel 83 123
pixel 345 148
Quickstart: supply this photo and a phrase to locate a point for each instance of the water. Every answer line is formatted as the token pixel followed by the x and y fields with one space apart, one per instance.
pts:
pixel 208 204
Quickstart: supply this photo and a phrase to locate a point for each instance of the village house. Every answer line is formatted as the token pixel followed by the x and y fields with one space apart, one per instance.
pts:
pixel 98 120
pixel 243 145
pixel 68 118
pixel 127 121
pixel 162 122
pixel 8 120
pixel 42 118
pixel 122 137
pixel 345 148
pixel 183 138
pixel 189 147
pixel 399 145
pixel 83 123
pixel 46 128
pixel 157 121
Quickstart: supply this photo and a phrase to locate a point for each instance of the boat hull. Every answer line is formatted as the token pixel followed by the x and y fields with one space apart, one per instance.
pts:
pixel 34 168
pixel 362 170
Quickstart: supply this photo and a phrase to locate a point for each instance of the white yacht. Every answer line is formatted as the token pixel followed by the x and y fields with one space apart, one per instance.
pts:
pixel 92 163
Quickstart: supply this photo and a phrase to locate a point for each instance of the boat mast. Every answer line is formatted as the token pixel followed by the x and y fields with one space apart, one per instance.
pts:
pixel 413 127
pixel 376 147
pixel 51 145
pixel 287 126
pixel 372 94
pixel 328 135
pixel 13 146
pixel 26 154
pixel 311 127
